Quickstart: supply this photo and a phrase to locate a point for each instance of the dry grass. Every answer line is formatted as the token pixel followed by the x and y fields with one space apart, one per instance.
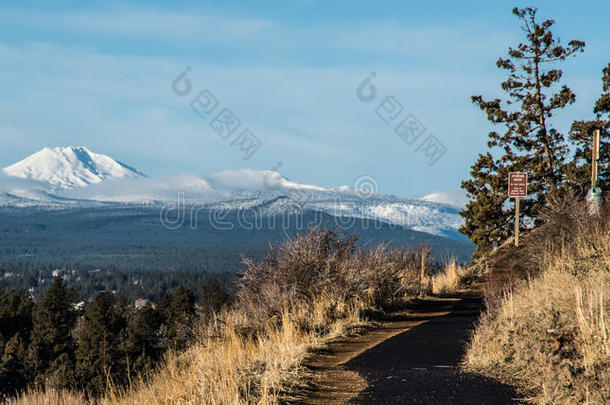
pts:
pixel 234 369
pixel 453 278
pixel 50 397
pixel 550 334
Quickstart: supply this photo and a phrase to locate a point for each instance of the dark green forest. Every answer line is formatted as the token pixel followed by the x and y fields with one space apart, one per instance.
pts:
pixel 60 343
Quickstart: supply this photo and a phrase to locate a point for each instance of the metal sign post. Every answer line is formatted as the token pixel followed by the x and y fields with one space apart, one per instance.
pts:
pixel 517 187
pixel 517 221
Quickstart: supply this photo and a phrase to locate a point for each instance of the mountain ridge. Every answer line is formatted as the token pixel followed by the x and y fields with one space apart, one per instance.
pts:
pixel 75 176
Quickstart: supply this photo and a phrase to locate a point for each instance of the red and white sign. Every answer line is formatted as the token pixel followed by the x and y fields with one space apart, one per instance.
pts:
pixel 517 184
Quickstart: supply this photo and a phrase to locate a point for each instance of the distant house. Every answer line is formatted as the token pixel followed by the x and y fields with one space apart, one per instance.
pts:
pixel 142 303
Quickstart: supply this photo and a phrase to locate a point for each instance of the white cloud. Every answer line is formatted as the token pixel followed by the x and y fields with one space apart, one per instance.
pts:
pixel 146 189
pixel 456 197
pixel 16 183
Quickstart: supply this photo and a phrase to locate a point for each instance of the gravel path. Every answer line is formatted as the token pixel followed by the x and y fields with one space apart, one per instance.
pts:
pixel 415 362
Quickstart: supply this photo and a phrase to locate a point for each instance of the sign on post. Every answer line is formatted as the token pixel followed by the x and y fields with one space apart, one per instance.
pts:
pixel 517 184
pixel 517 187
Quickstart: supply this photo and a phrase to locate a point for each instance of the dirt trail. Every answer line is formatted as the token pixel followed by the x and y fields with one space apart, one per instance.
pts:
pixel 411 359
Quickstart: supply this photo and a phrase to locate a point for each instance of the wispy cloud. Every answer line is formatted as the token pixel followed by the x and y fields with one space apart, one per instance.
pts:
pixel 138 23
pixel 272 39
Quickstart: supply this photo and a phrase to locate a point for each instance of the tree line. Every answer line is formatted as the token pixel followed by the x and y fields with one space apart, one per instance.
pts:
pixel 57 344
pixel 557 165
pixel 130 284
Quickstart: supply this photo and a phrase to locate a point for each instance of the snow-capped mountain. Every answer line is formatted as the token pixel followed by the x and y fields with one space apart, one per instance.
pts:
pixel 70 167
pixel 69 177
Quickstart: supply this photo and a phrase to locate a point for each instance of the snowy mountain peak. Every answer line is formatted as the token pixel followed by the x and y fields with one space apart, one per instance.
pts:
pixel 70 167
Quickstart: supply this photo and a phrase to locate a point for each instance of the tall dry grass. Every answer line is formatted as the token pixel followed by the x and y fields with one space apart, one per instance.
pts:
pixel 50 397
pixel 550 334
pixel 235 368
pixel 452 279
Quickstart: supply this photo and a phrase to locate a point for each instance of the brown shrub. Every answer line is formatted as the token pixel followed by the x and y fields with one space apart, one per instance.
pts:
pixel 324 262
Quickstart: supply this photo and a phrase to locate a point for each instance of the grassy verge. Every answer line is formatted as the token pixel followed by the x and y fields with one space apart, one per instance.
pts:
pixel 235 368
pixel 550 334
pixel 452 279
pixel 49 397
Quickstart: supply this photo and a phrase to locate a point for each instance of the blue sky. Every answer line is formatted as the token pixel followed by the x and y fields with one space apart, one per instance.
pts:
pixel 99 75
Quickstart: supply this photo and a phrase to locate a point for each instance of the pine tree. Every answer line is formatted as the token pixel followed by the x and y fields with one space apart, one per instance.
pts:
pixel 100 355
pixel 15 329
pixel 51 339
pixel 180 317
pixel 214 296
pixel 144 344
pixel 15 315
pixel 529 142
pixel 578 171
pixel 13 374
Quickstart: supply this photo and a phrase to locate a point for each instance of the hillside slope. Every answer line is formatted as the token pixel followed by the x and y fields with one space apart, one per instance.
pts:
pixel 549 332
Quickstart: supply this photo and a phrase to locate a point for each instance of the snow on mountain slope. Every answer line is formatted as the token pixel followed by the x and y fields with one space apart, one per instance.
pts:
pixel 267 192
pixel 40 199
pixel 72 177
pixel 70 167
